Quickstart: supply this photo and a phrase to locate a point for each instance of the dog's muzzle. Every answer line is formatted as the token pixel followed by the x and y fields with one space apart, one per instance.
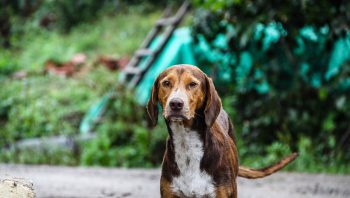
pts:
pixel 176 104
pixel 177 107
pixel 176 110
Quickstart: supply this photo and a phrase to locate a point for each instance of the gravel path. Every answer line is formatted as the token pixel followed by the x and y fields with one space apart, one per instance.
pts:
pixel 81 182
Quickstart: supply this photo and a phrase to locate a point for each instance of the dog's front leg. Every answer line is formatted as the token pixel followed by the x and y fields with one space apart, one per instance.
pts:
pixel 165 189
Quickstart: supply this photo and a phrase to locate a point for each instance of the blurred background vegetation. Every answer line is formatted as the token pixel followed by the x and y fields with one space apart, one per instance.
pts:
pixel 291 99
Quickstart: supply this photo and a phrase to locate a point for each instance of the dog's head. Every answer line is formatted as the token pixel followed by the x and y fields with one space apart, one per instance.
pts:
pixel 184 91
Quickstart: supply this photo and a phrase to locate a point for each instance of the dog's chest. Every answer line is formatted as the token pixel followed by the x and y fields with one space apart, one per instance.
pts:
pixel 192 182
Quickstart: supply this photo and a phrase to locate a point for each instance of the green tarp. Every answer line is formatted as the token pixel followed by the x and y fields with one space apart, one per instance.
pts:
pixel 181 49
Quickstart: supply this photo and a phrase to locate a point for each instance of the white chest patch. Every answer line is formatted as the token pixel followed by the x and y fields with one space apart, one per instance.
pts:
pixel 192 182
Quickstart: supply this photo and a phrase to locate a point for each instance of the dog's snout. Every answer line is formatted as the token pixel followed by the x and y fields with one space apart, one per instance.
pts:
pixel 176 104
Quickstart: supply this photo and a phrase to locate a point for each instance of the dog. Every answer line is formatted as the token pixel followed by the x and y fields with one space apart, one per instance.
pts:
pixel 201 158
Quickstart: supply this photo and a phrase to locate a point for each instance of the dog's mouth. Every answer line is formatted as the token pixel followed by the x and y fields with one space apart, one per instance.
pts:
pixel 177 118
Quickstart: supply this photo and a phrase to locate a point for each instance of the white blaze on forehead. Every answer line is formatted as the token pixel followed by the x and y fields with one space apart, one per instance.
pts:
pixel 178 94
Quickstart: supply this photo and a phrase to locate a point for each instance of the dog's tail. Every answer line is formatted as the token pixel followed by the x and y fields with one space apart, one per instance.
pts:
pixel 259 173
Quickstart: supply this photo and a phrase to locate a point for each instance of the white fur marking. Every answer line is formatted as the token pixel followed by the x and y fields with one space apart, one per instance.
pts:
pixel 181 95
pixel 192 182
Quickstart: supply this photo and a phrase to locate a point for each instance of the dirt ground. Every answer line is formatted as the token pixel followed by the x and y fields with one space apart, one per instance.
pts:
pixel 81 182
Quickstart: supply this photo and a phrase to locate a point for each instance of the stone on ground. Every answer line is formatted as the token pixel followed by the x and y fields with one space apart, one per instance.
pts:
pixel 16 188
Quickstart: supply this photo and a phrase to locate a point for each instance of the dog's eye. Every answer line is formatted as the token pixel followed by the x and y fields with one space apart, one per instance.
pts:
pixel 166 83
pixel 192 84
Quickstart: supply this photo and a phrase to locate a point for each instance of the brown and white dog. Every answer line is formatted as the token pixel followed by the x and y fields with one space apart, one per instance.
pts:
pixel 201 158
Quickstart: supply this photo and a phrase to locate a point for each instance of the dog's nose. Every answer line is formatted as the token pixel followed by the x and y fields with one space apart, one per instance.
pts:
pixel 176 104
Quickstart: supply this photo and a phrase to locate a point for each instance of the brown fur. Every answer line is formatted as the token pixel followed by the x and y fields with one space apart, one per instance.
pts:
pixel 206 116
pixel 165 189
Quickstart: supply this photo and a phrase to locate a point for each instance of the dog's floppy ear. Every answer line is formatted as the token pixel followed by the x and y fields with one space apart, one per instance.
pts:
pixel 152 105
pixel 213 103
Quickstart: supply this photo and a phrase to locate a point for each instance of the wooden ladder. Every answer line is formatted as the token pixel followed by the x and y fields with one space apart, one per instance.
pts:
pixel 133 74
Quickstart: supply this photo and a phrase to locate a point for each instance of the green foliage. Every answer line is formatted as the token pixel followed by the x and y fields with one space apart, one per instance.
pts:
pixel 47 105
pixel 293 15
pixel 111 35
pixel 287 79
pixel 63 13
pixel 42 105
pixel 8 63
pixel 123 138
pixel 52 156
pixel 284 102
pixel 20 17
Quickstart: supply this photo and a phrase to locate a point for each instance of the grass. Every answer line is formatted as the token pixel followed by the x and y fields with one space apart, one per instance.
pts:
pixel 116 36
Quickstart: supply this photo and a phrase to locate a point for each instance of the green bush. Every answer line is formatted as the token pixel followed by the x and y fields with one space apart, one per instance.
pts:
pixel 41 110
pixel 41 106
pixel 8 63
pixel 123 138
pixel 50 155
pixel 288 82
